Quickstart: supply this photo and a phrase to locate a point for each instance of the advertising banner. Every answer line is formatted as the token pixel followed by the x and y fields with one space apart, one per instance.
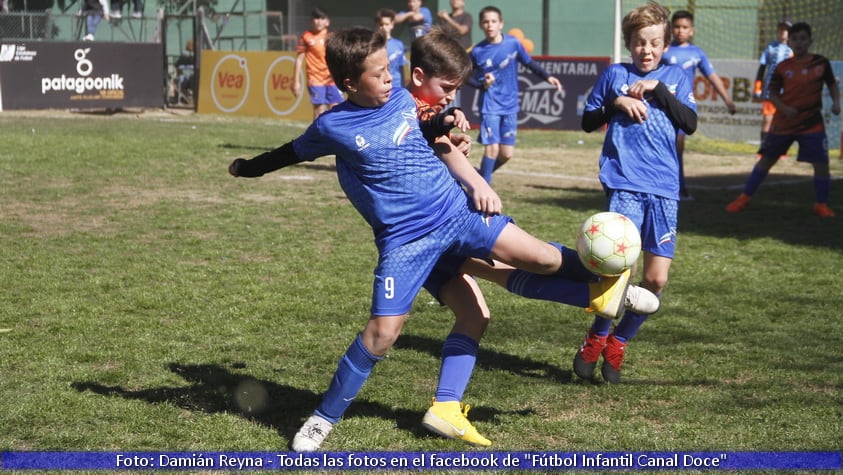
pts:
pixel 251 83
pixel 542 106
pixel 77 75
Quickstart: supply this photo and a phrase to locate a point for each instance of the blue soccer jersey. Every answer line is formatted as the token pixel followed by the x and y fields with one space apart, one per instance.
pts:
pixel 640 157
pixel 500 59
pixel 385 167
pixel 773 54
pixel 689 57
pixel 397 60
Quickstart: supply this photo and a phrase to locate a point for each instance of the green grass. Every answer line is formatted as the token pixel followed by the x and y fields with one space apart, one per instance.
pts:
pixel 142 286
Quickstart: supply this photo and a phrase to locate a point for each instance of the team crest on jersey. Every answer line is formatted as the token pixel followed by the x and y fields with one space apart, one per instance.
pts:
pixel 361 142
pixel 404 128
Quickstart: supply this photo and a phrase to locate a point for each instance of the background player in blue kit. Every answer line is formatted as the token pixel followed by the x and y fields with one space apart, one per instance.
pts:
pixel 423 220
pixel 385 22
pixel 775 52
pixel 644 104
pixel 691 57
pixel 495 62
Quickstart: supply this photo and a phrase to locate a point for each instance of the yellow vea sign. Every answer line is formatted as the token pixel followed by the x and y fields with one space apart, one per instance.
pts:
pixel 253 83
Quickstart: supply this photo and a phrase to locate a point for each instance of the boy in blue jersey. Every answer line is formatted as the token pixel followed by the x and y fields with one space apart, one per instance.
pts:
pixel 495 62
pixel 425 224
pixel 644 104
pixel 775 52
pixel 385 22
pixel 690 57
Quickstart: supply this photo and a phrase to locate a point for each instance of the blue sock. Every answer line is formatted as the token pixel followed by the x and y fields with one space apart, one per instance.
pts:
pixel 572 267
pixel 352 371
pixel 459 353
pixel 487 166
pixel 601 326
pixel 628 327
pixel 754 181
pixel 822 188
pixel 548 287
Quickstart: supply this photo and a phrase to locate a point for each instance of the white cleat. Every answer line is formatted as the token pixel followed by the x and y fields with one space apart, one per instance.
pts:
pixel 311 435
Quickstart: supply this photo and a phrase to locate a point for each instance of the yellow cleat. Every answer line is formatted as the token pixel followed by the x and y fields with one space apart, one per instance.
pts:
pixel 448 419
pixel 611 296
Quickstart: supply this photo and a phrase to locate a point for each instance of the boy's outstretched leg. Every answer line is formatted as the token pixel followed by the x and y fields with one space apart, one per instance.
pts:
pixel 447 415
pixel 352 372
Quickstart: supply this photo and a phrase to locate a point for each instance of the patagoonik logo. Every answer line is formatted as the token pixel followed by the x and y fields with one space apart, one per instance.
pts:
pixel 107 87
pixel 278 86
pixel 230 83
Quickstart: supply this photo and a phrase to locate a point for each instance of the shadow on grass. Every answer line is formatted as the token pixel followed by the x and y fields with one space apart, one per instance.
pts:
pixel 216 389
pixel 491 360
pixel 781 209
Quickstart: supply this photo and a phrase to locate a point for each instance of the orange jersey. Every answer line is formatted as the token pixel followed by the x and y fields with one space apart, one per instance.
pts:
pixel 313 46
pixel 800 85
pixel 425 110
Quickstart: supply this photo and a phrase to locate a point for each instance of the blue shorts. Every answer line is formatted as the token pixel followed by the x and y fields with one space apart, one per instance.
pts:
pixel 431 260
pixel 498 129
pixel 320 95
pixel 813 148
pixel 655 216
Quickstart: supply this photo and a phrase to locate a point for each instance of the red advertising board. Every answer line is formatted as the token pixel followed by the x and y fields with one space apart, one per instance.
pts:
pixel 77 75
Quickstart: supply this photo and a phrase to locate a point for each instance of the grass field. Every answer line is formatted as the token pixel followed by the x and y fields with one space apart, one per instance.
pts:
pixel 152 302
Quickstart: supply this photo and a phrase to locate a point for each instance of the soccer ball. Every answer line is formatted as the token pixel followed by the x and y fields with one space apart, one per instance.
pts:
pixel 608 243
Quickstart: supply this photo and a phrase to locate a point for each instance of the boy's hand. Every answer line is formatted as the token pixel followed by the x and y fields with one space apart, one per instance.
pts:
pixel 485 199
pixel 459 120
pixel 639 88
pixel 555 82
pixel 488 80
pixel 234 167
pixel 636 109
pixel 462 142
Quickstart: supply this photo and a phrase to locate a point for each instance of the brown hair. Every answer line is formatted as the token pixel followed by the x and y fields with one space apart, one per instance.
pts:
pixel 438 54
pixel 347 50
pixel 646 15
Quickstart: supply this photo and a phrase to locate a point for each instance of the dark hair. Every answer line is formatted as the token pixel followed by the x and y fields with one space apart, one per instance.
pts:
pixel 490 9
pixel 385 13
pixel 347 50
pixel 439 54
pixel 682 15
pixel 800 26
pixel 646 15
pixel 319 13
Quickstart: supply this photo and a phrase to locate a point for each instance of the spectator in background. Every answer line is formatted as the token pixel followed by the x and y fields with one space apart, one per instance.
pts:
pixel 417 17
pixel 94 12
pixel 457 23
pixel 690 58
pixel 117 6
pixel 311 50
pixel 495 62
pixel 385 21
pixel 4 6
pixel 775 52
pixel 796 90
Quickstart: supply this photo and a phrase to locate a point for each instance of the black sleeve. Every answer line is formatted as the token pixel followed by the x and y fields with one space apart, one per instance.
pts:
pixel 435 126
pixel 682 116
pixel 759 76
pixel 281 157
pixel 594 119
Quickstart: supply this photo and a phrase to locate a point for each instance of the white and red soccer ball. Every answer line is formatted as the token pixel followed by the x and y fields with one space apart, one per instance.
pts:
pixel 608 243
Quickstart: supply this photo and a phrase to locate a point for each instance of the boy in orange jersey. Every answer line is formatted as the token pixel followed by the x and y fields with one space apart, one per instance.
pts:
pixel 324 93
pixel 796 91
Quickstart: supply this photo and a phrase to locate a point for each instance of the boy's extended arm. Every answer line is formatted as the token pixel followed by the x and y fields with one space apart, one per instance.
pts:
pixel 594 119
pixel 438 125
pixel 682 116
pixel 485 199
pixel 281 157
pixel 721 90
